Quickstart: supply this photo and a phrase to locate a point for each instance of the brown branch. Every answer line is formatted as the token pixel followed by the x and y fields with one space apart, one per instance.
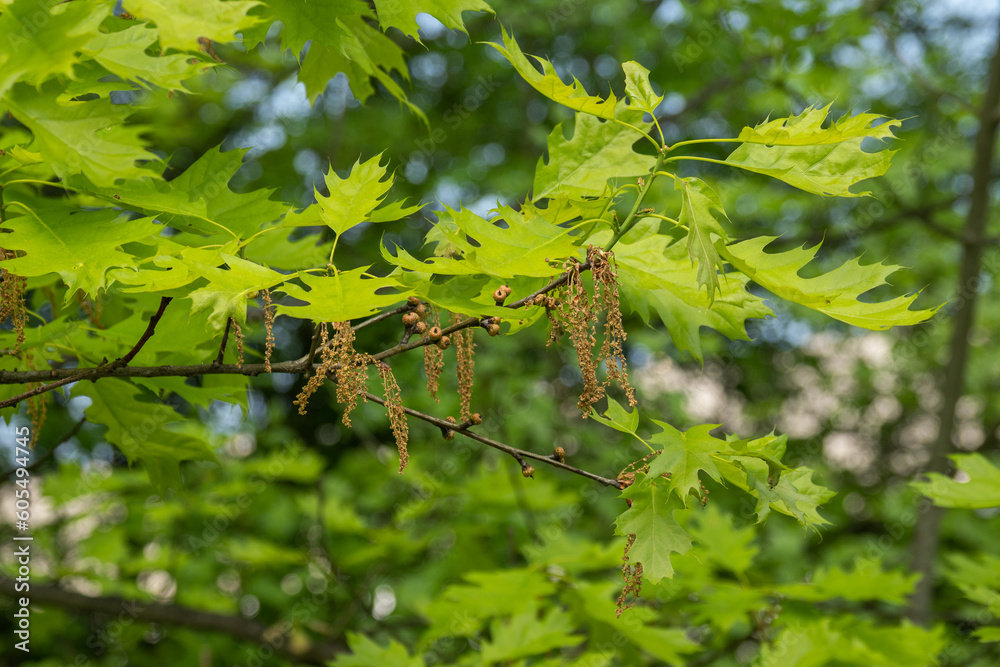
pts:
pixel 301 365
pixel 121 362
pixel 927 531
pixel 518 454
pixel 147 334
pixel 302 650
pixel 222 345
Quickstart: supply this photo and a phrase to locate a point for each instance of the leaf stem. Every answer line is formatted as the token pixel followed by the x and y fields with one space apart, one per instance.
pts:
pixel 692 142
pixel 631 219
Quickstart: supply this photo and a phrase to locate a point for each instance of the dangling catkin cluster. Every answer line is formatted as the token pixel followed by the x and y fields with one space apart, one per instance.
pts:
pixel 37 408
pixel 395 412
pixel 433 357
pixel 464 349
pixel 238 333
pixel 352 371
pixel 605 272
pixel 12 289
pixel 632 574
pixel 579 313
pixel 302 400
pixel 269 328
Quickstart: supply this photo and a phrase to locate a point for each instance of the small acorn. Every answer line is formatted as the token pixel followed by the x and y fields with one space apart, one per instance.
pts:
pixel 494 329
pixel 476 419
pixel 499 296
pixel 410 319
pixel 528 471
pixel 444 342
pixel 560 453
pixel 434 333
pixel 420 328
pixel 413 301
pixel 420 310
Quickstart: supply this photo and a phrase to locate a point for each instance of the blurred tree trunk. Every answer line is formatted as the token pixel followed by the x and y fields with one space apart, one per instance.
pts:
pixel 926 536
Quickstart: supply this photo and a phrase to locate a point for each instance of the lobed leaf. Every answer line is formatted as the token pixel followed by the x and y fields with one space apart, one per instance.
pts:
pixel 834 293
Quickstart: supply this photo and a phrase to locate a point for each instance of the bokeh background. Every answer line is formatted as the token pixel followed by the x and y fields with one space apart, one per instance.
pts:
pixel 307 522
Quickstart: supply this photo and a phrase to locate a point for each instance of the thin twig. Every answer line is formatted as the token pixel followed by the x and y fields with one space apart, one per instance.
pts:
pixel 222 346
pixel 147 334
pixel 518 454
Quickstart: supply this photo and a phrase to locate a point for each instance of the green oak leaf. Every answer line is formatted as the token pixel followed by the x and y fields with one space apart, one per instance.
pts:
pixel 980 491
pixel 402 14
pixel 81 246
pixel 523 248
pixel 651 520
pixel 867 581
pixel 834 293
pixel 598 151
pixel 618 418
pixel 89 138
pixel 800 152
pixel 548 83
pixel 702 212
pixel 529 633
pixel 225 295
pixel 685 455
pixel 342 297
pixel 638 89
pixel 807 129
pixel 34 50
pixel 656 275
pixel 340 39
pixel 123 53
pixel 199 199
pixel 365 652
pixel 353 200
pixel 144 430
pixel 181 24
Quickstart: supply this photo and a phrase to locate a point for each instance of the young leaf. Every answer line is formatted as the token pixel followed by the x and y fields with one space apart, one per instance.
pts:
pixel 638 89
pixel 598 151
pixel 340 39
pixel 835 293
pixel 807 129
pixel 365 652
pixel 227 289
pixel 980 491
pixel 41 39
pixel 182 24
pixel 199 199
pixel 88 138
pixel 800 152
pixel 339 298
pixel 684 456
pixel 352 200
pixel 548 83
pixel 699 205
pixel 522 249
pixel 656 274
pixel 528 634
pixel 81 246
pixel 402 14
pixel 618 418
pixel 651 520
pixel 867 581
pixel 123 53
